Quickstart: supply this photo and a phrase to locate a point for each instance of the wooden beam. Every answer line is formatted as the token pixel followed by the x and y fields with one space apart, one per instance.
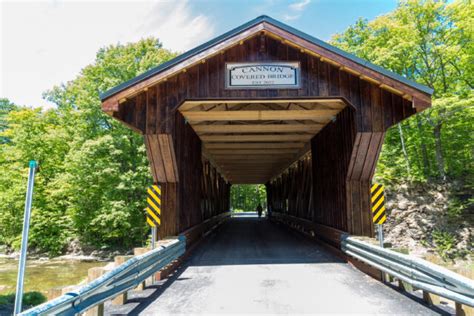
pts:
pixel 211 160
pixel 169 158
pixel 252 151
pixel 249 176
pixel 250 171
pixel 187 105
pixel 263 164
pixel 154 157
pixel 162 158
pixel 303 152
pixel 256 138
pixel 202 116
pixel 249 182
pixel 258 177
pixel 253 145
pixel 257 128
pixel 270 157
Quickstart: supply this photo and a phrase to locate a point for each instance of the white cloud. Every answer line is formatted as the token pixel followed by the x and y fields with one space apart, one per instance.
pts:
pixel 176 25
pixel 288 17
pixel 295 10
pixel 46 43
pixel 299 6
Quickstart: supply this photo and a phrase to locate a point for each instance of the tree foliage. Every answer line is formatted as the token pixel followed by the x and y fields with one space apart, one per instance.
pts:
pixel 246 197
pixel 93 170
pixel 430 42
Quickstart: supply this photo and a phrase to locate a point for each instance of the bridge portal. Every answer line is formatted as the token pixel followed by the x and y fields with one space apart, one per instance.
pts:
pixel 266 103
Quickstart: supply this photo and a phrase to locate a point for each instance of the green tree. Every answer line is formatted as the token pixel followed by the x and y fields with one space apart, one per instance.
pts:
pixel 5 107
pixel 93 170
pixel 430 42
pixel 246 197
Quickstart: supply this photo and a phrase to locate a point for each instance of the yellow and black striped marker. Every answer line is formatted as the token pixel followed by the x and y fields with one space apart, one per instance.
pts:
pixel 153 209
pixel 377 199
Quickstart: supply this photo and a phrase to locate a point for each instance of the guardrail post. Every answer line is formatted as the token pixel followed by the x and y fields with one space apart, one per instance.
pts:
pixel 94 273
pixel 430 298
pixel 58 291
pixel 463 310
pixel 137 252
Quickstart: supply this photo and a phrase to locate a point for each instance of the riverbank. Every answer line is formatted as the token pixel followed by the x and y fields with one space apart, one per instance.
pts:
pixel 42 275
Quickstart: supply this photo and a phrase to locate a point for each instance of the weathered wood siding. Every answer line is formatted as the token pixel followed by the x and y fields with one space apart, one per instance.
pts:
pixel 200 193
pixel 153 111
pixel 344 152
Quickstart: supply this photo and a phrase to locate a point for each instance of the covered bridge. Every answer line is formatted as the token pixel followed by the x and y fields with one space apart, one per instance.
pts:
pixel 265 103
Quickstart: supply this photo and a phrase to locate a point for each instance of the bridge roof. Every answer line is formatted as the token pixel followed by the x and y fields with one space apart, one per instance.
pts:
pixel 347 60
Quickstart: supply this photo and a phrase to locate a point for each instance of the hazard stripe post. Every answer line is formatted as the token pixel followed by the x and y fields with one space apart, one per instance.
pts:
pixel 377 196
pixel 379 216
pixel 153 211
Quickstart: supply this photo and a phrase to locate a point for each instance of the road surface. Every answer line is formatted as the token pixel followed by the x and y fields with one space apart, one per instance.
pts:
pixel 250 265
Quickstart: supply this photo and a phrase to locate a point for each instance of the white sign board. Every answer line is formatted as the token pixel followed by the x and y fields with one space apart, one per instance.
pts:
pixel 263 75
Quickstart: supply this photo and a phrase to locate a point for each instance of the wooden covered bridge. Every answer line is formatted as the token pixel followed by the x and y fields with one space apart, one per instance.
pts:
pixel 267 104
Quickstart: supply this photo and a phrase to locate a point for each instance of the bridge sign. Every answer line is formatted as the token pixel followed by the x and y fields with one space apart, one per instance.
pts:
pixel 153 209
pixel 377 199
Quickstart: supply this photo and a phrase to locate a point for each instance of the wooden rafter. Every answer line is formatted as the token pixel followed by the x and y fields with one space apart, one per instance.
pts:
pixel 249 140
pixel 253 145
pixel 200 116
pixel 256 138
pixel 258 128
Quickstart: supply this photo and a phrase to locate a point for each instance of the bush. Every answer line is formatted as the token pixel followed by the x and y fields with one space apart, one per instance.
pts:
pixel 30 299
pixel 444 242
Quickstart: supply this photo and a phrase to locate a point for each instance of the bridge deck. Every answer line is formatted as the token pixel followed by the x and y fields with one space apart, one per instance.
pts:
pixel 253 266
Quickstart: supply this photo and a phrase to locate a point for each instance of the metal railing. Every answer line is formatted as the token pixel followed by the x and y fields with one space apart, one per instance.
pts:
pixel 115 282
pixel 419 273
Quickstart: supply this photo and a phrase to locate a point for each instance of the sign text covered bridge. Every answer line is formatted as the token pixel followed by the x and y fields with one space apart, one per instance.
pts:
pixel 265 103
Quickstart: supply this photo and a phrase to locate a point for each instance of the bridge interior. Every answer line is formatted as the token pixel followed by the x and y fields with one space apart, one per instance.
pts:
pixel 253 141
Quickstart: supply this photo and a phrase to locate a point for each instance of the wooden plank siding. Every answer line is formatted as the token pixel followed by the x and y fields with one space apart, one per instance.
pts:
pixel 200 193
pixel 206 81
pixel 331 188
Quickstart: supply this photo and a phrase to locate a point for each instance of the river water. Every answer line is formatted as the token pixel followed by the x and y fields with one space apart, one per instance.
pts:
pixel 42 275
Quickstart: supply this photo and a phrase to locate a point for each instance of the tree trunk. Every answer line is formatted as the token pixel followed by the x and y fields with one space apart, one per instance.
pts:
pixel 424 151
pixel 404 150
pixel 439 150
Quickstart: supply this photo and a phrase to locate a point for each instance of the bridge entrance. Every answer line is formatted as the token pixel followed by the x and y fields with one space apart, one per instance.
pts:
pixel 250 265
pixel 266 103
pixel 253 141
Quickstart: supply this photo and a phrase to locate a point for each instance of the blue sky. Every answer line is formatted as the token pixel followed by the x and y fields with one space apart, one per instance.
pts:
pixel 320 18
pixel 46 43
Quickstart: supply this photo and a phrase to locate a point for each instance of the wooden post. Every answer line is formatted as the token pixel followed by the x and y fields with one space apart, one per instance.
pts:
pixel 122 298
pixel 137 252
pixel 94 273
pixel 430 298
pixel 54 293
pixel 404 286
pixel 464 310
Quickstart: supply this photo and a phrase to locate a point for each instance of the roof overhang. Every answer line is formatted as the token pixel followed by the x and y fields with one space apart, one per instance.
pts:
pixel 419 94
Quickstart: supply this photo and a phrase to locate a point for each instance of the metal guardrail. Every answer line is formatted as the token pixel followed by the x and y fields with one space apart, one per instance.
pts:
pixel 123 278
pixel 417 272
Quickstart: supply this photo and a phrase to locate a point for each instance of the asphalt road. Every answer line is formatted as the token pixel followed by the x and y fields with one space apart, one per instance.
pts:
pixel 252 266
